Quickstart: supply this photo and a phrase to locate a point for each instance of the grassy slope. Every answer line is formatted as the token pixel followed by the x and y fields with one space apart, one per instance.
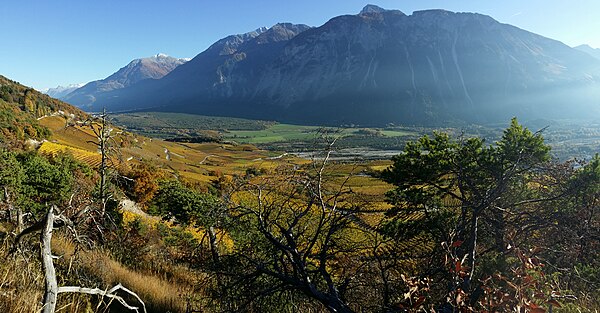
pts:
pixel 20 108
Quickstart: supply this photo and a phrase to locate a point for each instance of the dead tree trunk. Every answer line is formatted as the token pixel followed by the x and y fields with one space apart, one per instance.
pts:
pixel 102 144
pixel 52 289
pixel 11 210
pixel 47 264
pixel 212 239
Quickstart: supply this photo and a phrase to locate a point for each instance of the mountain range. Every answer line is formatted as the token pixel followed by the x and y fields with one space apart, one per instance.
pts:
pixel 154 67
pixel 373 68
pixel 61 91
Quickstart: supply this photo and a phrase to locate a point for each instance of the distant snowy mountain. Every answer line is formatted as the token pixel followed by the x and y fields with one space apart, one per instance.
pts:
pixel 153 67
pixel 61 91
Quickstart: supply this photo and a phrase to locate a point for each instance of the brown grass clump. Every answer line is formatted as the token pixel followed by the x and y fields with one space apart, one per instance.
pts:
pixel 22 280
pixel 21 284
pixel 159 294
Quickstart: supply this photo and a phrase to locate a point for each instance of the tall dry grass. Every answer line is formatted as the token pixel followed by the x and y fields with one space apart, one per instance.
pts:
pixel 22 280
pixel 160 295
pixel 21 284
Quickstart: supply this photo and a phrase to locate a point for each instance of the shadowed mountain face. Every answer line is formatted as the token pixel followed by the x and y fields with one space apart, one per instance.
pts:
pixel 378 67
pixel 154 67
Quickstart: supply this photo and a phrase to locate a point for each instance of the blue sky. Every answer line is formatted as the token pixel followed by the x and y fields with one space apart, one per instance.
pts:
pixel 46 43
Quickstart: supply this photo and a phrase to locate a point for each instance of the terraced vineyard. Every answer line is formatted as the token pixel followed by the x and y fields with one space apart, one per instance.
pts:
pixel 52 149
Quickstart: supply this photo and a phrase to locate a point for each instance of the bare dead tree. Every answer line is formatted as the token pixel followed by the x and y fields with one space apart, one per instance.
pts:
pixel 106 144
pixel 53 220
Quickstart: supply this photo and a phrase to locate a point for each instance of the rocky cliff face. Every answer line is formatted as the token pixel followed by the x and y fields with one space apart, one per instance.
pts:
pixel 377 67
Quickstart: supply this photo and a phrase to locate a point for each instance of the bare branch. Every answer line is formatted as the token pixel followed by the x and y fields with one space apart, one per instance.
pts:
pixel 106 293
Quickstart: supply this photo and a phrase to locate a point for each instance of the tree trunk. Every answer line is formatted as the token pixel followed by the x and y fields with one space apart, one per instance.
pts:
pixel 102 144
pixel 212 239
pixel 48 265
pixel 20 224
pixel 499 230
pixel 472 248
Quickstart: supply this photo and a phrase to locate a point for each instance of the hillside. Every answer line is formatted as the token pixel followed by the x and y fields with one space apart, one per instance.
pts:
pixel 377 67
pixel 20 109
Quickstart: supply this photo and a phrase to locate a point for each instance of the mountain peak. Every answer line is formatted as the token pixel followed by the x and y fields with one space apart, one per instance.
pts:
pixel 281 32
pixel 584 46
pixel 589 50
pixel 61 91
pixel 374 68
pixel 153 67
pixel 371 8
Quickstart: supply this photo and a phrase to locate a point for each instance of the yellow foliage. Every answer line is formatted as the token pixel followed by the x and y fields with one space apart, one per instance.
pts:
pixel 128 217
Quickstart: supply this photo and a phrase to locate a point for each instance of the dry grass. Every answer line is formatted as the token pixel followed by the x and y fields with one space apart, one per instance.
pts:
pixel 22 281
pixel 159 294
pixel 21 284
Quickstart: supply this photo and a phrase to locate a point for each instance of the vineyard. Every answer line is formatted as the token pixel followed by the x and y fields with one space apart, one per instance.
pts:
pixel 52 149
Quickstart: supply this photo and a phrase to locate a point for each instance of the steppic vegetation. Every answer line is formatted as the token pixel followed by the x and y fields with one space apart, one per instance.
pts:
pixel 453 225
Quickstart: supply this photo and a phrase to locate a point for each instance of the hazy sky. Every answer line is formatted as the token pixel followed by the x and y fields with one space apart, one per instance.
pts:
pixel 45 43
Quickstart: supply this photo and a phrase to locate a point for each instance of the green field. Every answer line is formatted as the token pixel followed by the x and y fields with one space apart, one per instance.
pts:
pixel 167 125
pixel 265 134
pixel 275 133
pixel 288 132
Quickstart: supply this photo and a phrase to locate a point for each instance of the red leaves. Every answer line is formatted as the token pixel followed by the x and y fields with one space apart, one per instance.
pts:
pixel 457 244
pixel 419 302
pixel 534 308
